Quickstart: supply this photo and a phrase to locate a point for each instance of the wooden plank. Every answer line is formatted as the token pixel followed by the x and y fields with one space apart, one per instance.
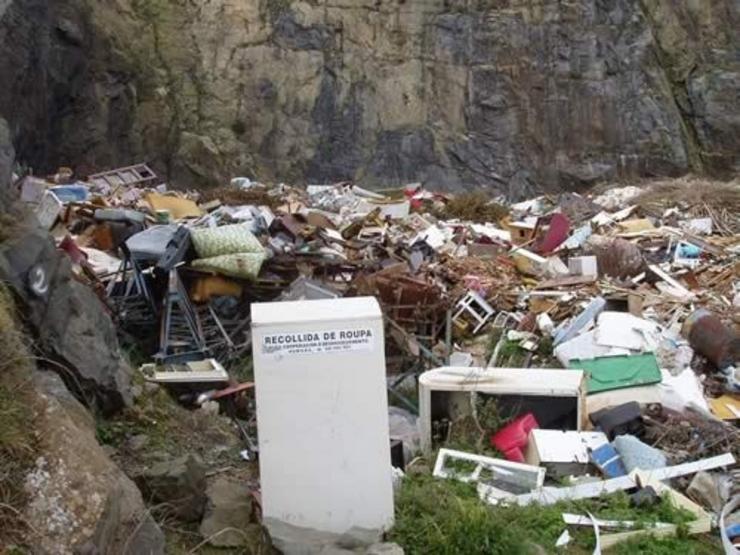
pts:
pixel 548 496
pixel 566 281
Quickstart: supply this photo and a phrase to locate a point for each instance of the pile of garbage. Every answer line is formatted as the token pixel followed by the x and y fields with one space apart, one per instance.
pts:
pixel 604 327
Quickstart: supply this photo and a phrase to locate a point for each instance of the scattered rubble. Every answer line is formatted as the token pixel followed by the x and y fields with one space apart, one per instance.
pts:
pixel 592 338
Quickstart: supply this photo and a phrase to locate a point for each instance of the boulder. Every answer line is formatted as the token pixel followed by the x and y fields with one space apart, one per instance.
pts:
pixel 456 94
pixel 180 483
pixel 79 500
pixel 71 324
pixel 228 520
pixel 199 161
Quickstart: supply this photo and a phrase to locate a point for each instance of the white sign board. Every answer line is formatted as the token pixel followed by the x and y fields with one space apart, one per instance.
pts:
pixel 318 341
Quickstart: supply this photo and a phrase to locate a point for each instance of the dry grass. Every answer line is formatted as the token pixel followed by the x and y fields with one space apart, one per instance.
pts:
pixel 474 207
pixel 17 442
pixel 696 197
pixel 233 196
pixel 693 192
pixel 15 218
pixel 9 226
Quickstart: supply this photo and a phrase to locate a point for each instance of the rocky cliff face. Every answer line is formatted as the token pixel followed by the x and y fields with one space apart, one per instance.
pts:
pixel 514 95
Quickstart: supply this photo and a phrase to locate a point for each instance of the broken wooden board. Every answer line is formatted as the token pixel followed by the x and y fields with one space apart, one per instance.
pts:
pixel 701 525
pixel 726 407
pixel 566 281
pixel 549 495
pixel 581 520
pixel 680 290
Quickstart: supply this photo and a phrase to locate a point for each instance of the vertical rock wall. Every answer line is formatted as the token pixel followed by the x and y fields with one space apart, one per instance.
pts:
pixel 513 95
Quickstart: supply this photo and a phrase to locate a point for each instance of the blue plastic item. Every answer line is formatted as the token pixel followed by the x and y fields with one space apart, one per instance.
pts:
pixel 71 193
pixel 687 250
pixel 733 531
pixel 608 461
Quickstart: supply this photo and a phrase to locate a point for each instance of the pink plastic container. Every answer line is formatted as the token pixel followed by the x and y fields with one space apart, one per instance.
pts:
pixel 512 439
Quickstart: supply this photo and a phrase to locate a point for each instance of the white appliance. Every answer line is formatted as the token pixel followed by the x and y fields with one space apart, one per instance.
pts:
pixel 322 414
pixel 543 390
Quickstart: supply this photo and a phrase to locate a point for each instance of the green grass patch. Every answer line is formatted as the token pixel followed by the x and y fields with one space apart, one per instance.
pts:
pixel 511 355
pixel 446 517
pixel 493 338
pixel 18 445
pixel 154 414
pixel 242 370
pixel 472 432
pixel 545 347
pixel 171 430
pixel 679 544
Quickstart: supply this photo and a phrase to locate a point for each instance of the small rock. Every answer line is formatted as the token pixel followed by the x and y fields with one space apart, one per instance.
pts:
pixel 210 407
pixel 229 506
pixel 157 455
pixel 136 391
pixel 151 387
pixel 358 537
pixel 70 31
pixel 179 482
pixel 137 442
pixel 385 548
pixel 712 490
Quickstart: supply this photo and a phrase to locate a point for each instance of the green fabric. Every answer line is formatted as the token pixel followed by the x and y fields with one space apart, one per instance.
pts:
pixel 227 239
pixel 230 250
pixel 242 265
pixel 616 372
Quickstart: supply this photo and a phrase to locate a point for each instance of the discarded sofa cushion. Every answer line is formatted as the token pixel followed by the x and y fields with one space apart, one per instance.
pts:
pixel 228 239
pixel 241 264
